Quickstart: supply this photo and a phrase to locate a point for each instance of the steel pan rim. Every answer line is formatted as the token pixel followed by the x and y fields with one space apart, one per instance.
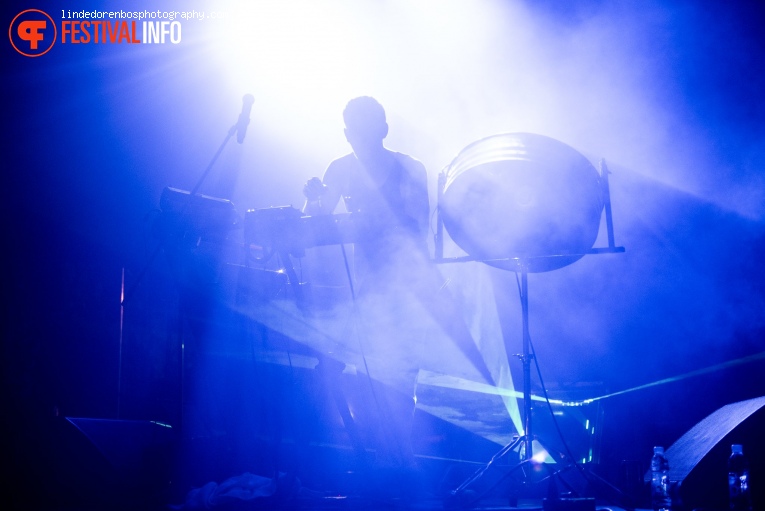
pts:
pixel 546 156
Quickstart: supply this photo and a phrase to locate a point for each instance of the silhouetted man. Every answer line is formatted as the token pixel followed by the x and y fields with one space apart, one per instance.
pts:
pixel 386 190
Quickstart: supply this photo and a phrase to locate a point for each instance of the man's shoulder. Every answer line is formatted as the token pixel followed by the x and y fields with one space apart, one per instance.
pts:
pixel 410 163
pixel 340 169
pixel 346 161
pixel 342 165
pixel 406 159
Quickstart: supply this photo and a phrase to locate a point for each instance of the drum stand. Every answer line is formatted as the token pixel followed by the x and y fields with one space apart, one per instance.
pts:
pixel 462 496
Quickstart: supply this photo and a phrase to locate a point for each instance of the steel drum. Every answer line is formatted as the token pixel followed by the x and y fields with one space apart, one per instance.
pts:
pixel 522 198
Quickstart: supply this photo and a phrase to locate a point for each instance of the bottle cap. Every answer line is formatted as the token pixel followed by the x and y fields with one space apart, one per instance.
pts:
pixel 658 450
pixel 737 449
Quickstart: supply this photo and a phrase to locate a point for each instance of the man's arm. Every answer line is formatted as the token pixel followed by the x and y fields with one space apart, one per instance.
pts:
pixel 415 193
pixel 322 197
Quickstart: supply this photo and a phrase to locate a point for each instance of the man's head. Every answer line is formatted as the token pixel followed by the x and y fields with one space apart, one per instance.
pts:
pixel 365 125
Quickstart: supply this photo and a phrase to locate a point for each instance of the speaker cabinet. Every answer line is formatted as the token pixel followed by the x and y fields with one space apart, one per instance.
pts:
pixel 112 463
pixel 698 459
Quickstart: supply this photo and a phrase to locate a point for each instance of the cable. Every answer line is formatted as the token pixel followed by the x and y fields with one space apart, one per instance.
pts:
pixel 357 314
pixel 348 272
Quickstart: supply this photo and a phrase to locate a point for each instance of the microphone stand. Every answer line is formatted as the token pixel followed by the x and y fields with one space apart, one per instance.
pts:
pixel 240 124
pixel 231 132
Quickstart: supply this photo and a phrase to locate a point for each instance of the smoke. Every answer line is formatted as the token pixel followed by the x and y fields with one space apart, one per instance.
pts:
pixel 667 92
pixel 636 83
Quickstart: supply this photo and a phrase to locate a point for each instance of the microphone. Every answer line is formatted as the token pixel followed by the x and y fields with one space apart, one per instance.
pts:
pixel 244 117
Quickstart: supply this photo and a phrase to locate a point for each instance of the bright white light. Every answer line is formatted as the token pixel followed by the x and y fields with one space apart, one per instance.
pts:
pixel 540 456
pixel 300 54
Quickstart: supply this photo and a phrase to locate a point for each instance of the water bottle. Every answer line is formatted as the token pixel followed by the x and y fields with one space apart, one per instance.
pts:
pixel 738 480
pixel 660 497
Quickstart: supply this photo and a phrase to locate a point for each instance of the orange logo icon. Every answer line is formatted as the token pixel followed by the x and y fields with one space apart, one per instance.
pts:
pixel 32 33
